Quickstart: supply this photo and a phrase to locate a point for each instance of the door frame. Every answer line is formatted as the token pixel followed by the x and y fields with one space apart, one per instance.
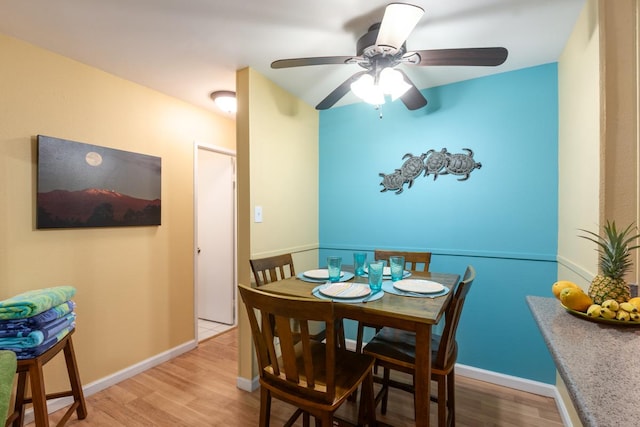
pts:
pixel 232 154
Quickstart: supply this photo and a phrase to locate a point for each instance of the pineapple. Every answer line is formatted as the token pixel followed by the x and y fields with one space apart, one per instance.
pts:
pixel 614 263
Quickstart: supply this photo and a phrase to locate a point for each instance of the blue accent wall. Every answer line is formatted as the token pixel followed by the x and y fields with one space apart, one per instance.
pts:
pixel 503 219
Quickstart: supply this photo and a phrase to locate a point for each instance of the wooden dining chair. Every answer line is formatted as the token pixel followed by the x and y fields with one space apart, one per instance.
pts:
pixel 278 267
pixel 270 269
pixel 413 261
pixel 316 377
pixel 396 349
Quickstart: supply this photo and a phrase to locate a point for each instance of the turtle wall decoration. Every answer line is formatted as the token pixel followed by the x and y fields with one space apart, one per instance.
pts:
pixel 432 163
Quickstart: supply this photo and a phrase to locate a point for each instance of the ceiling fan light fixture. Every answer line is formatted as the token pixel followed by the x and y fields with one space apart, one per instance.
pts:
pixel 392 83
pixel 225 100
pixel 366 89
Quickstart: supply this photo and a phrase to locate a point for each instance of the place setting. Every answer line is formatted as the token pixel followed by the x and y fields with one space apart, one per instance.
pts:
pixel 415 288
pixel 333 273
pixel 347 292
pixel 338 289
pixel 401 285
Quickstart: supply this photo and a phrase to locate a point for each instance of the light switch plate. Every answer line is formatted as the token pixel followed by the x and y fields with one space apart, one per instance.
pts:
pixel 257 215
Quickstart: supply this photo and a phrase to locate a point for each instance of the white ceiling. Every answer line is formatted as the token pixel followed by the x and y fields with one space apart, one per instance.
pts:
pixel 189 48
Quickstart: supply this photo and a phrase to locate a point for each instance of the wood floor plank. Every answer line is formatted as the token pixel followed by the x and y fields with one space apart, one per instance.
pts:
pixel 198 388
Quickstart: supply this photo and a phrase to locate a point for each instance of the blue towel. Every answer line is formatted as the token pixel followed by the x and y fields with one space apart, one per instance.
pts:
pixel 35 337
pixel 28 353
pixel 32 337
pixel 39 320
pixel 30 303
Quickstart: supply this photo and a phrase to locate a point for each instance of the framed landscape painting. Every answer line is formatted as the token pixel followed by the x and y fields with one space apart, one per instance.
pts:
pixel 84 185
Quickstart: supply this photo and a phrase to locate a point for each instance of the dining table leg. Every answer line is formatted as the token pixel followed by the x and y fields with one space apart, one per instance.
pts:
pixel 423 374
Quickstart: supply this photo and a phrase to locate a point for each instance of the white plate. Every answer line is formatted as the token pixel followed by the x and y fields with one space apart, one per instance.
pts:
pixel 418 286
pixel 345 290
pixel 320 274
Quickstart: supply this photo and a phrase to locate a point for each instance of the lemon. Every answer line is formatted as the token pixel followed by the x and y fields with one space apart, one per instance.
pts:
pixel 575 299
pixel 560 285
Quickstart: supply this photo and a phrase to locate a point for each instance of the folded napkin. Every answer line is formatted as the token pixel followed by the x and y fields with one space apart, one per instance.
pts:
pixel 30 303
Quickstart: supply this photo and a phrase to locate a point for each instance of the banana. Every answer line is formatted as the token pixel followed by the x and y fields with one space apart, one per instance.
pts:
pixel 594 310
pixel 607 314
pixel 622 316
pixel 611 304
pixel 634 317
pixel 628 307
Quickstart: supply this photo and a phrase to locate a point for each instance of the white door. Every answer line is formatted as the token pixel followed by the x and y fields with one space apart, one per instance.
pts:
pixel 216 236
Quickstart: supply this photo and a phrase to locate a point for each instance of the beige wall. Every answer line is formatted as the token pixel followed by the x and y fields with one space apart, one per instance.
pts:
pixel 598 136
pixel 278 170
pixel 598 150
pixel 579 148
pixel 135 284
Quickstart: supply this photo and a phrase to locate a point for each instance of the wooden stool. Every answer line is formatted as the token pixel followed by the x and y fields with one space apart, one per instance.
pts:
pixel 33 368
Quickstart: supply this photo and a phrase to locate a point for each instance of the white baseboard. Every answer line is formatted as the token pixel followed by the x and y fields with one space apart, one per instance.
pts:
pixel 247 384
pixel 504 380
pixel 562 408
pixel 54 405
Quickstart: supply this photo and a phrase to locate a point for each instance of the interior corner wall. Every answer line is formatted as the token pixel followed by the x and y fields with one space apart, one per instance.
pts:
pixel 277 170
pixel 579 148
pixel 135 285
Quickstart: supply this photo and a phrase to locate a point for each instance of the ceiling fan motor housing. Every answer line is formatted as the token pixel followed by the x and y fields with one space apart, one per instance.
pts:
pixel 368 40
pixel 373 57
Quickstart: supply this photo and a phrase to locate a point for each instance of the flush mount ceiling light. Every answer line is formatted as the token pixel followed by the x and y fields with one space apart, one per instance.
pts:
pixel 225 100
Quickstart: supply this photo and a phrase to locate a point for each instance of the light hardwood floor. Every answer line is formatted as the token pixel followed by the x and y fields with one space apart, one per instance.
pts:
pixel 198 388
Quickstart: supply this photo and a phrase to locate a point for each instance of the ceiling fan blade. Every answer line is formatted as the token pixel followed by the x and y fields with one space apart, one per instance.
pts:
pixel 302 62
pixel 412 98
pixel 397 23
pixel 339 92
pixel 478 56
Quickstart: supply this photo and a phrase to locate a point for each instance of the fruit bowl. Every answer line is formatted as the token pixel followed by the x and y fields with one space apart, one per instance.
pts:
pixel 601 319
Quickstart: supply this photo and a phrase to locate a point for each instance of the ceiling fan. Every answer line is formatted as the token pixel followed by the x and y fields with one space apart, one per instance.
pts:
pixel 383 48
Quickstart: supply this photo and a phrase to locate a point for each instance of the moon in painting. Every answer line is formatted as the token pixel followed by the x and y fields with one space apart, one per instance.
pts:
pixel 93 158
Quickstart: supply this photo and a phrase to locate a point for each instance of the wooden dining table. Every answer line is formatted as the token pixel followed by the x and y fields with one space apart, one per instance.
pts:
pixel 417 314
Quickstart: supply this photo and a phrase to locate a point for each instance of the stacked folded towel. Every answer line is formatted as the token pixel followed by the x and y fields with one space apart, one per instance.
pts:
pixel 33 322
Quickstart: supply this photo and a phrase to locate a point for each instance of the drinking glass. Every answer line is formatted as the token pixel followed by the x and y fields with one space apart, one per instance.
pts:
pixel 333 265
pixel 376 269
pixel 359 260
pixel 396 264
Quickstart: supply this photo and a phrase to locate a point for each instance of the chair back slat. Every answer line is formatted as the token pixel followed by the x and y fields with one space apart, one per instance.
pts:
pixel 287 350
pixel 271 269
pixel 292 360
pixel 447 346
pixel 413 261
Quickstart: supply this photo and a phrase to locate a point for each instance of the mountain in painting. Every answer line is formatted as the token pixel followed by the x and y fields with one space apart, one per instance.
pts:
pixel 94 208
